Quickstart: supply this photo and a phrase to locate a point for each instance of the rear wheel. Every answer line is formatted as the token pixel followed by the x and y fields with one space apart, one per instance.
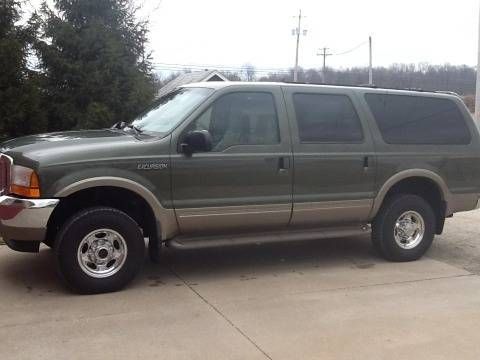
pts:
pixel 99 250
pixel 404 228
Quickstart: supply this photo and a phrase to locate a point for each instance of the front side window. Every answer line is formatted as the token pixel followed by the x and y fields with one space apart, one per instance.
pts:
pixel 243 118
pixel 406 119
pixel 325 118
pixel 168 111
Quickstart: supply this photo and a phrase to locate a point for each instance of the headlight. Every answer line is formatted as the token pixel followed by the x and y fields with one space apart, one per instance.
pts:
pixel 24 182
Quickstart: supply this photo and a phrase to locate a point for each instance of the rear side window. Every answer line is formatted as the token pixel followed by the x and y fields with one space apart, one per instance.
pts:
pixel 327 118
pixel 404 119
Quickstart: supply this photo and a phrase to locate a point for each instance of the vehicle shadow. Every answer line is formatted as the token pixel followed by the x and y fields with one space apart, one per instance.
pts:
pixel 28 273
pixel 261 258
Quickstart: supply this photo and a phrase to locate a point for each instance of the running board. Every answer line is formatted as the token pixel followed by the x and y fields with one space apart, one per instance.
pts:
pixel 188 242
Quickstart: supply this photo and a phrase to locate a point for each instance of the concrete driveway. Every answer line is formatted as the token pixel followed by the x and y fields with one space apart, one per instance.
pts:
pixel 326 299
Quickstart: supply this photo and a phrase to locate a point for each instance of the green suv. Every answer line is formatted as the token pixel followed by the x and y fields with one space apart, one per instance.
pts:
pixel 228 163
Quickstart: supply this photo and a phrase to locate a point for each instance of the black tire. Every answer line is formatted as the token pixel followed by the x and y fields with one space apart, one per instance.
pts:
pixel 77 228
pixel 383 227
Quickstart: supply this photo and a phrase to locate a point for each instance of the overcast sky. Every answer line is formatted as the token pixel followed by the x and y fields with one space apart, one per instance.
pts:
pixel 232 33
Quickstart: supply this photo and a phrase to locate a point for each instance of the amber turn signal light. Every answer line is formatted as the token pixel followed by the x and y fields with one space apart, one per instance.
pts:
pixel 25 182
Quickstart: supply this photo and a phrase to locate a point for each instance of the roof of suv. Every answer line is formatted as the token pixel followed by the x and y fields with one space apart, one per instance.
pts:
pixel 364 88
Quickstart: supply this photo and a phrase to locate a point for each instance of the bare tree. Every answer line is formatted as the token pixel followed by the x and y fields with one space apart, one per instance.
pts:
pixel 232 76
pixel 249 72
pixel 457 78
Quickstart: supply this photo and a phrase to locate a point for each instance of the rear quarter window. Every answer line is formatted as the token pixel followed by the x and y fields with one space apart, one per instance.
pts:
pixel 405 119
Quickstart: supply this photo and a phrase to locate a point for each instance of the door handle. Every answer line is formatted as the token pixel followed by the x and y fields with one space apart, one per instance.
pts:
pixel 283 164
pixel 365 163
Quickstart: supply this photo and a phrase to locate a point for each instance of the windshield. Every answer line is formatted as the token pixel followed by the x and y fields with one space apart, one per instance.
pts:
pixel 168 111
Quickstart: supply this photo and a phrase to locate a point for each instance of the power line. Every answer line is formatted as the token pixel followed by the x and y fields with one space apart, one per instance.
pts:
pixel 351 50
pixel 213 66
pixel 258 71
pixel 182 67
pixel 325 54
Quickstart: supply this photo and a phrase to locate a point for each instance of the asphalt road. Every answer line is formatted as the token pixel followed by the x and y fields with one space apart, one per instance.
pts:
pixel 326 299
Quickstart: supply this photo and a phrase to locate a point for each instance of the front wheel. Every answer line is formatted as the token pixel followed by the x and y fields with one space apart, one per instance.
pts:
pixel 404 228
pixel 99 250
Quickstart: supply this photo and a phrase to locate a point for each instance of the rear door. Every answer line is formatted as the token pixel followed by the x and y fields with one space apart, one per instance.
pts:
pixel 334 158
pixel 245 182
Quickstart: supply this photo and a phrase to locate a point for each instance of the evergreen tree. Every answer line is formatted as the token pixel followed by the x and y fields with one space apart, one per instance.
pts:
pixel 20 108
pixel 93 56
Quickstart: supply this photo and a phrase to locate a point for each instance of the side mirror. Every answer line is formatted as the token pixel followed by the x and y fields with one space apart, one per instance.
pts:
pixel 197 141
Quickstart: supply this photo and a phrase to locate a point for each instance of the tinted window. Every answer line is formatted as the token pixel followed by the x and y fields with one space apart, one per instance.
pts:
pixel 326 118
pixel 245 118
pixel 418 119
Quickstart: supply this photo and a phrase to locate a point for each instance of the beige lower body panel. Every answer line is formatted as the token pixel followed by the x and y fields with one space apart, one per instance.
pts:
pixel 462 202
pixel 196 220
pixel 326 213
pixel 331 212
pixel 212 219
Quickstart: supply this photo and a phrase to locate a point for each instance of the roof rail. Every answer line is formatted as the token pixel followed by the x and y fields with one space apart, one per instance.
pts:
pixel 329 84
pixel 375 87
pixel 447 92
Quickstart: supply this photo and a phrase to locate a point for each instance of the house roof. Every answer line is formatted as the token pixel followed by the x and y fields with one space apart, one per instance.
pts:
pixel 191 77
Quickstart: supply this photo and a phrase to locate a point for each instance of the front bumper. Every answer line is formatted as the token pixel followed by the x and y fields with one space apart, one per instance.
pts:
pixel 25 219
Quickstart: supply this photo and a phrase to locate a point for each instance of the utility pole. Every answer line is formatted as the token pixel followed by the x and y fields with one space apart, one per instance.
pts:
pixel 477 95
pixel 324 69
pixel 370 66
pixel 298 32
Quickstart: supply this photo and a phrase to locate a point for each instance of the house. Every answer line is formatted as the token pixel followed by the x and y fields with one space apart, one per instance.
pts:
pixel 191 77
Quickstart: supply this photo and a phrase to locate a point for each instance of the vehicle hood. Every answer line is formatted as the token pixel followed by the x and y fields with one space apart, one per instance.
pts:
pixel 71 145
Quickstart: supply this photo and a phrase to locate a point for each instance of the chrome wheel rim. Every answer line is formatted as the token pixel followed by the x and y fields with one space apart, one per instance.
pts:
pixel 102 253
pixel 409 230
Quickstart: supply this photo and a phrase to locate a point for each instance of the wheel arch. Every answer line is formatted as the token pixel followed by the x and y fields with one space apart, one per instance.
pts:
pixel 413 175
pixel 166 223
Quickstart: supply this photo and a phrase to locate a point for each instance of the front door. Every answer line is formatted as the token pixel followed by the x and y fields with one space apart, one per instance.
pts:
pixel 245 182
pixel 334 157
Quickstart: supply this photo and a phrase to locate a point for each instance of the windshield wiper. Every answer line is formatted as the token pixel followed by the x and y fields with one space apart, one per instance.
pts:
pixel 122 125
pixel 119 125
pixel 135 128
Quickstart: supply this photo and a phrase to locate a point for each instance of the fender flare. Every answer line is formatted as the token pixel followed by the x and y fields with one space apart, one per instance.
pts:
pixel 405 174
pixel 166 219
